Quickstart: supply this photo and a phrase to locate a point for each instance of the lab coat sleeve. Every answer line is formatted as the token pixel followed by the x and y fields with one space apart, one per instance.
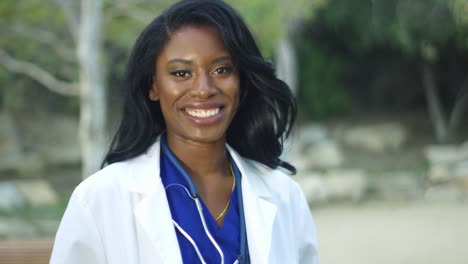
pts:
pixel 78 240
pixel 306 233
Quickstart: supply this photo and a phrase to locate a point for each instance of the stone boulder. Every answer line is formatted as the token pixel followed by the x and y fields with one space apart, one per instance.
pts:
pixel 312 133
pixel 11 197
pixel 345 185
pixel 444 154
pixel 448 164
pixel 313 186
pixel 376 138
pixel 37 192
pixel 324 154
pixel 333 186
pixel 398 185
pixel 444 193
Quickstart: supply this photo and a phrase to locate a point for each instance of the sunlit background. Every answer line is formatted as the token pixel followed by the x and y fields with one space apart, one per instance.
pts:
pixel 381 142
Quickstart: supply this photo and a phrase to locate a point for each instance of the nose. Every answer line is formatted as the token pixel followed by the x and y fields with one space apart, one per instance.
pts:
pixel 203 87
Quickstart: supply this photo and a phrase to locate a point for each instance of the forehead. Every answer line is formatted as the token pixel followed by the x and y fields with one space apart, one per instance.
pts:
pixel 194 42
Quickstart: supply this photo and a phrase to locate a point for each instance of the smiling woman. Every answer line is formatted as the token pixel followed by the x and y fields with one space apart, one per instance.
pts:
pixel 192 173
pixel 197 85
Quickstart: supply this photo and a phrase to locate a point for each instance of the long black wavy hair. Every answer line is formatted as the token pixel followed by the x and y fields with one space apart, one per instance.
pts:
pixel 267 108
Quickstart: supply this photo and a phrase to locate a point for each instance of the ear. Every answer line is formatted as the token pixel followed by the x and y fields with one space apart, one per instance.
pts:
pixel 153 92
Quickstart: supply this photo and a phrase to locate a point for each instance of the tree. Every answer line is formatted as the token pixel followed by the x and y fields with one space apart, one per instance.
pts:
pixel 77 30
pixel 84 29
pixel 85 22
pixel 420 29
pixel 274 24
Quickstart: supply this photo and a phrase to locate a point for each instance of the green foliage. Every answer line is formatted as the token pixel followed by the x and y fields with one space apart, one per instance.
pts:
pixel 42 212
pixel 321 91
pixel 268 19
pixel 386 42
pixel 409 26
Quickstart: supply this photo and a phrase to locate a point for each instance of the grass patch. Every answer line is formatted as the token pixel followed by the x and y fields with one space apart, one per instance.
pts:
pixel 45 212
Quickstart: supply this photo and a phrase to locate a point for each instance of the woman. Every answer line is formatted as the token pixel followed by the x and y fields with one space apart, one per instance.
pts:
pixel 192 173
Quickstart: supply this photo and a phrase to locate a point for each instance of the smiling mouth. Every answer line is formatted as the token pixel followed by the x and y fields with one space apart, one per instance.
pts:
pixel 202 113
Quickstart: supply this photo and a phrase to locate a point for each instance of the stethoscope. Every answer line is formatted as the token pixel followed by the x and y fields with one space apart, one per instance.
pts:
pixel 193 193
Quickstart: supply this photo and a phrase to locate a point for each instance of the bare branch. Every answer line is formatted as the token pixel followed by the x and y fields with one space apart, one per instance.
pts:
pixel 71 15
pixel 460 107
pixel 43 77
pixel 45 37
pixel 436 112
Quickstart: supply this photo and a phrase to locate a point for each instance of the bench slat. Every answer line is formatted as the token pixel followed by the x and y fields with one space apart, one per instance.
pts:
pixel 25 251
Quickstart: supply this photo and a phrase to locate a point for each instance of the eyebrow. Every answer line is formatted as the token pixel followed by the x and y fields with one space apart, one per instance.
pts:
pixel 221 59
pixel 189 62
pixel 183 61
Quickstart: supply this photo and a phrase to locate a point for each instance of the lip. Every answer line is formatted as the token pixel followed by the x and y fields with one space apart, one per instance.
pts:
pixel 204 106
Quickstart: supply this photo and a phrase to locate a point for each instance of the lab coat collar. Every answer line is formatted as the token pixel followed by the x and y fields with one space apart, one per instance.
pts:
pixel 152 213
pixel 152 210
pixel 259 208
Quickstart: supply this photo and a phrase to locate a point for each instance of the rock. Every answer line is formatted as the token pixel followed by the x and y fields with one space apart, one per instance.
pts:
pixel 398 185
pixel 448 164
pixel 464 150
pixel 37 192
pixel 312 133
pixel 10 196
pixel 298 160
pixel 16 228
pixel 444 194
pixel 461 169
pixel 345 185
pixel 299 141
pixel 325 154
pixel 442 154
pixel 460 173
pixel 378 138
pixel 439 173
pixel 313 187
pixel 10 147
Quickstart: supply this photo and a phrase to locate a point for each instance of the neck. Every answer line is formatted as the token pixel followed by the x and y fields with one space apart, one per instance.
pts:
pixel 203 161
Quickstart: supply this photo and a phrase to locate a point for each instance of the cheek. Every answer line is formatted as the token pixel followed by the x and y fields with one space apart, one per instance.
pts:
pixel 169 93
pixel 232 88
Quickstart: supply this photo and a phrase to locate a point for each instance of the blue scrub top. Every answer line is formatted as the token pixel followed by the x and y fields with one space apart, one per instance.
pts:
pixel 185 214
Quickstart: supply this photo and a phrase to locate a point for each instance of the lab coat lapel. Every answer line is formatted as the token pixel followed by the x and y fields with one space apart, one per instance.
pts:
pixel 259 210
pixel 156 237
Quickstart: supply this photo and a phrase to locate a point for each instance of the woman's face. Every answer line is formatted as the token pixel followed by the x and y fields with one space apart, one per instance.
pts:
pixel 197 85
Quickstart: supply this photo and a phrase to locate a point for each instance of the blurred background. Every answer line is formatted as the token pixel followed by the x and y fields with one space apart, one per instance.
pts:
pixel 381 142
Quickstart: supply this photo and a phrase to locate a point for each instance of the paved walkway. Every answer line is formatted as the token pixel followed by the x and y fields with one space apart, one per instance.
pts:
pixel 393 233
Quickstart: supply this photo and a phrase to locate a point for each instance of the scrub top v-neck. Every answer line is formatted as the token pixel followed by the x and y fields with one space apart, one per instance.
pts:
pixel 184 212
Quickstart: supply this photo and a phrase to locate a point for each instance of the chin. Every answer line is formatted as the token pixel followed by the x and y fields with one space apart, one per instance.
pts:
pixel 207 136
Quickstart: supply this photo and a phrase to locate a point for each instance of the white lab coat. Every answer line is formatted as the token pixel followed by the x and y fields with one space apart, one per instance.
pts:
pixel 120 215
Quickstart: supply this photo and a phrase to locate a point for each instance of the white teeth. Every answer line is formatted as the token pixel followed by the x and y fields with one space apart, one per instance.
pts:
pixel 202 113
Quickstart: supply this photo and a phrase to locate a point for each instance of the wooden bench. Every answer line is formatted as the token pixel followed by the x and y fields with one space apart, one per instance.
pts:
pixel 25 251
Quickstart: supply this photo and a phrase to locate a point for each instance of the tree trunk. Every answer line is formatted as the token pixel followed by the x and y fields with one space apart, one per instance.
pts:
pixel 459 110
pixel 286 62
pixel 92 88
pixel 286 66
pixel 434 105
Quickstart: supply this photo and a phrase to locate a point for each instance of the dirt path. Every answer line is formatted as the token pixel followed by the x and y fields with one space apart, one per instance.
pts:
pixel 393 233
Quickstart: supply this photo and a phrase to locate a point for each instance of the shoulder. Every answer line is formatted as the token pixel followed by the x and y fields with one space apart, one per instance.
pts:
pixel 276 181
pixel 107 181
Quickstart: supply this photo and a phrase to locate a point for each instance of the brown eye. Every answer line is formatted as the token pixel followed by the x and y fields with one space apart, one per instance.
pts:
pixel 223 70
pixel 181 74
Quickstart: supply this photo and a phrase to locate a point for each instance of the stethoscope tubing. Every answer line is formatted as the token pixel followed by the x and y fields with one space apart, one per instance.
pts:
pixel 195 195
